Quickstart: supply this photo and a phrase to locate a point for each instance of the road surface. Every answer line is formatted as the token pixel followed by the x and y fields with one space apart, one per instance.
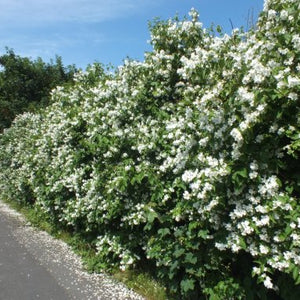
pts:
pixel 21 276
pixel 34 265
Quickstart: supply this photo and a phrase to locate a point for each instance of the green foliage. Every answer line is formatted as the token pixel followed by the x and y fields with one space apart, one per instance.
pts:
pixel 25 85
pixel 187 161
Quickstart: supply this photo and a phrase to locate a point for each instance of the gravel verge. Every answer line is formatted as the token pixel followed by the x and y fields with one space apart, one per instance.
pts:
pixel 64 265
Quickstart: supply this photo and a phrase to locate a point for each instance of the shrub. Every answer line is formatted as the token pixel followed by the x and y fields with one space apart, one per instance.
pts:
pixel 188 160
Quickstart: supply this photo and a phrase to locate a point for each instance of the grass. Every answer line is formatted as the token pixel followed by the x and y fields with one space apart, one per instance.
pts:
pixel 143 284
pixel 139 281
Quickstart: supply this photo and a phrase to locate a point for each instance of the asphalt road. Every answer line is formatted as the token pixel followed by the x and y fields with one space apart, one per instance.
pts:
pixel 34 265
pixel 21 275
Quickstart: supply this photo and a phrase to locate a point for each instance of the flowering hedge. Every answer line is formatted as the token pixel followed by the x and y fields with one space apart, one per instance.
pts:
pixel 188 160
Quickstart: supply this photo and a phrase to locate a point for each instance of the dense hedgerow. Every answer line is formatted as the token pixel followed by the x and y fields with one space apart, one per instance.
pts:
pixel 188 160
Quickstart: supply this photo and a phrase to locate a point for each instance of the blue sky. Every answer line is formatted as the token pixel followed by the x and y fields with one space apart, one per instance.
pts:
pixel 107 31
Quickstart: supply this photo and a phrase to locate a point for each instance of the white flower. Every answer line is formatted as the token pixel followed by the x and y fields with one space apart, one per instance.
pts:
pixel 259 138
pixel 203 141
pixel 244 125
pixel 238 213
pixel 235 133
pixel 212 204
pixel 195 185
pixel 245 227
pixel 272 14
pixel 293 81
pixel 287 255
pixel 284 14
pixel 261 209
pixel 188 175
pixel 265 220
pixel 235 248
pixel 256 271
pixel 276 238
pixel 298 220
pixel 254 166
pixel 221 246
pixel 296 41
pixel 253 175
pixel 293 96
pixel 261 107
pixel 194 14
pixel 186 195
pixel 263 249
pixel 268 283
pixel 244 95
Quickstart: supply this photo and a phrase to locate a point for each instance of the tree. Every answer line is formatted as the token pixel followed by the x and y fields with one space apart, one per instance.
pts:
pixel 25 84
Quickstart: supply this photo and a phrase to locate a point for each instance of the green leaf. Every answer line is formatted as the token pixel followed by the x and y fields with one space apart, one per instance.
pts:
pixel 179 252
pixel 164 231
pixel 203 234
pixel 190 258
pixel 243 244
pixel 297 282
pixel 193 225
pixel 296 273
pixel 187 285
pixel 239 177
pixel 288 230
pixel 174 265
pixel 241 173
pixel 151 216
pixel 289 189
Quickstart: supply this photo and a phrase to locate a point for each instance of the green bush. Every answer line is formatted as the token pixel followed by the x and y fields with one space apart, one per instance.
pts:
pixel 25 85
pixel 189 160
